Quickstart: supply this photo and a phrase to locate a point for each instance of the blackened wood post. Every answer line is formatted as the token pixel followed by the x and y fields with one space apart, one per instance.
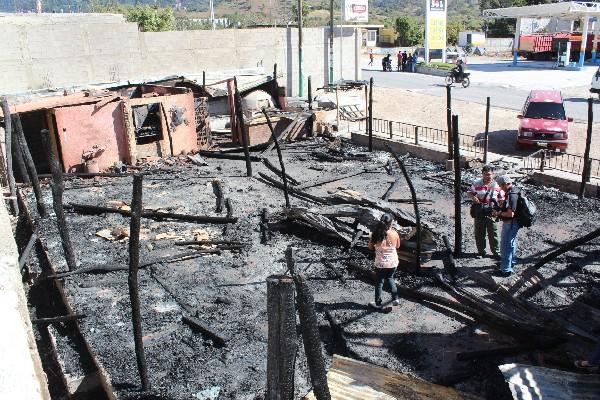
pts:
pixel 449 119
pixel 310 97
pixel 134 263
pixel 457 190
pixel 310 331
pixel 204 81
pixel 264 229
pixel 283 175
pixel 416 135
pixel 275 76
pixel 12 186
pixel 366 108
pixel 35 181
pixel 18 158
pixel 415 205
pixel 391 129
pixel 57 201
pixel 242 126
pixel 371 114
pixel 586 155
pixel 282 338
pixel 487 131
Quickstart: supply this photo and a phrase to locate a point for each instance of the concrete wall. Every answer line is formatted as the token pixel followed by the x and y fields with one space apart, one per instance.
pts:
pixel 21 374
pixel 47 52
pixel 498 44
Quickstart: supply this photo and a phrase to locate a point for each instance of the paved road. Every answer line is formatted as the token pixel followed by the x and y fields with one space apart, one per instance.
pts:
pixel 506 97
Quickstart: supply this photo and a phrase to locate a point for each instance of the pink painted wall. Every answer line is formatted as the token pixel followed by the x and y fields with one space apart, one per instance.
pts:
pixel 81 127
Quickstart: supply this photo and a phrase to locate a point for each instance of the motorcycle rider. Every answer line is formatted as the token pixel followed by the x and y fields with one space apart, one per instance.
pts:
pixel 387 63
pixel 458 71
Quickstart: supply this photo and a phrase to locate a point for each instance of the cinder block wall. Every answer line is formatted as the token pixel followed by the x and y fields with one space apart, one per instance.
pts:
pixel 47 51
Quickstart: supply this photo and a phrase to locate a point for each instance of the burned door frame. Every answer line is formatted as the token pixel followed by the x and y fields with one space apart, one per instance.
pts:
pixel 164 144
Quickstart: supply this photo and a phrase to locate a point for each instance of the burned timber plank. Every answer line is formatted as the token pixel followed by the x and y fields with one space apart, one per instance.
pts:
pixel 218 338
pixel 280 156
pixel 91 209
pixel 8 147
pixel 293 191
pixel 58 188
pixel 54 320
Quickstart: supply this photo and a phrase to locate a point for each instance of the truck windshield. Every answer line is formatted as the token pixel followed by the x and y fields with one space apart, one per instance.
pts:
pixel 545 110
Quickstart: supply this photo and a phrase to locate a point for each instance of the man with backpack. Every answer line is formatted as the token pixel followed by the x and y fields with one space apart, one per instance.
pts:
pixel 516 212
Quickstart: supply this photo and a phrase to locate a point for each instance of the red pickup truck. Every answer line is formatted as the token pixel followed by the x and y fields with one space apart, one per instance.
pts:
pixel 543 122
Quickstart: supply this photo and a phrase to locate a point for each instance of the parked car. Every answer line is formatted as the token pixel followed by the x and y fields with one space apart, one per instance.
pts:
pixel 596 83
pixel 543 122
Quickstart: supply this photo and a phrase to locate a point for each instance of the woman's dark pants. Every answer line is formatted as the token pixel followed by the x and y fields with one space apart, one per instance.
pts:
pixel 385 275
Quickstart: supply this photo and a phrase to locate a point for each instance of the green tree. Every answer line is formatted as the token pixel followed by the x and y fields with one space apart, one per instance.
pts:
pixel 410 31
pixel 452 30
pixel 305 10
pixel 152 19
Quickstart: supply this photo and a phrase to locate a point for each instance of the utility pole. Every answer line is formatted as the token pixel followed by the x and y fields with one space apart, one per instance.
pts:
pixel 331 42
pixel 300 59
pixel 212 14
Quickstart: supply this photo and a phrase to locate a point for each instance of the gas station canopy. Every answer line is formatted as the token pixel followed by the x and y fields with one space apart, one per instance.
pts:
pixel 572 10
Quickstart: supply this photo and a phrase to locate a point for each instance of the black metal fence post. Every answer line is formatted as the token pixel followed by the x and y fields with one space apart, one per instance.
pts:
pixel 417 135
pixel 449 119
pixel 487 131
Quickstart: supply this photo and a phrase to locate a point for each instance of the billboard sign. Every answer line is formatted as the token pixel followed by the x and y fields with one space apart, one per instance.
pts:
pixel 356 10
pixel 436 24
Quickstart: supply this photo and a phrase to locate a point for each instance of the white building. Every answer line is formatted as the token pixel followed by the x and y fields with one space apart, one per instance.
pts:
pixel 474 38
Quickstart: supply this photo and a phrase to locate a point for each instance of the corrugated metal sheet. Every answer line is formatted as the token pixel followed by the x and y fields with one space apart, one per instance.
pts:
pixel 527 382
pixel 349 379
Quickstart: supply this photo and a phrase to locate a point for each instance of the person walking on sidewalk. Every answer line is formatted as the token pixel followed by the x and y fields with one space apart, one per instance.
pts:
pixel 386 242
pixel 486 194
pixel 510 225
pixel 371 57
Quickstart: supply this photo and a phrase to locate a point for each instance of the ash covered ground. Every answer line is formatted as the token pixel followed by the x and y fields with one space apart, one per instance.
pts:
pixel 228 291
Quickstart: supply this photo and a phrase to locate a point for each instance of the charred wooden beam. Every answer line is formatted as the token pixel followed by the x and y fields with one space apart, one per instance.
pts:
pixel 27 251
pixel 339 337
pixel 242 125
pixel 229 208
pixel 310 331
pixel 24 149
pixel 95 210
pixel 282 338
pixel 566 247
pixel 227 156
pixel 339 177
pixel 134 261
pixel 90 175
pixel 508 351
pixel 293 191
pixel 54 320
pixel 212 242
pixel 450 265
pixel 264 226
pixel 420 201
pixel 393 187
pixel 278 172
pixel 415 205
pixel 218 338
pixel 457 189
pixel 57 201
pixel 8 148
pixel 279 155
pixel 217 186
pixel 104 268
pixel 18 157
pixel 338 274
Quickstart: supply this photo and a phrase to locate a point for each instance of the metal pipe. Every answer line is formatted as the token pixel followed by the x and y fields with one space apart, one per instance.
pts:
pixel 586 155
pixel 300 55
pixel 331 42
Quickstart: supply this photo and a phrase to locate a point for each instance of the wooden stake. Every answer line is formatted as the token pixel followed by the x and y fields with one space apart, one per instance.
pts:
pixel 310 331
pixel 9 164
pixel 17 154
pixel 57 201
pixel 371 114
pixel 487 131
pixel 282 342
pixel 457 190
pixel 242 126
pixel 279 155
pixel 35 181
pixel 449 120
pixel 586 155
pixel 134 262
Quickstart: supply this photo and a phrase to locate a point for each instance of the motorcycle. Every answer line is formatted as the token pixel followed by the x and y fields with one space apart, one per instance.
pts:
pixel 387 66
pixel 465 81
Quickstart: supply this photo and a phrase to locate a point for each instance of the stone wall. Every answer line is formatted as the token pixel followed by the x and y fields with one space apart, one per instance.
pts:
pixel 55 51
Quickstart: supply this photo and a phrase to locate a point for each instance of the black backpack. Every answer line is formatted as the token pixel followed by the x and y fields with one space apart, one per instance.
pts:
pixel 526 210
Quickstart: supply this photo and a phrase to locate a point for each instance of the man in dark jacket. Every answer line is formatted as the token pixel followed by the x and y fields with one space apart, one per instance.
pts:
pixel 510 225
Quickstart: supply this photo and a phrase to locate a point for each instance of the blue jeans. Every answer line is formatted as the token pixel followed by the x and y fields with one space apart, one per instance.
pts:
pixel 508 245
pixel 595 358
pixel 385 275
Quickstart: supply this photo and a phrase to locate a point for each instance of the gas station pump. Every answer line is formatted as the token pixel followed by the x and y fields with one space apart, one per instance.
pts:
pixel 563 52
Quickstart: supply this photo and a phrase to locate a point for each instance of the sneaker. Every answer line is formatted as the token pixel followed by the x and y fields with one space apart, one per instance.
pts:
pixel 480 255
pixel 503 274
pixel 396 302
pixel 375 305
